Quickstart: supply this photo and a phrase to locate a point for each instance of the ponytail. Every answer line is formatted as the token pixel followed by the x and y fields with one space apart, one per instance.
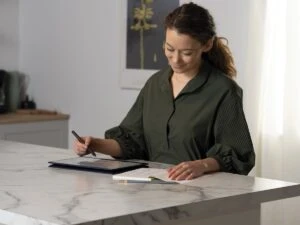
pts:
pixel 221 57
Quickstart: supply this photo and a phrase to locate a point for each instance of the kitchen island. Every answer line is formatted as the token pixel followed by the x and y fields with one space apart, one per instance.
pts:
pixel 33 193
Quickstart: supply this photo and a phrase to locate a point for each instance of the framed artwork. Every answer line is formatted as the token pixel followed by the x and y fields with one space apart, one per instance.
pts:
pixel 142 36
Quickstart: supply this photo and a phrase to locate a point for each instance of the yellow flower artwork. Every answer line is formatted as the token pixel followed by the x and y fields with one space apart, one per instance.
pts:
pixel 141 16
pixel 142 35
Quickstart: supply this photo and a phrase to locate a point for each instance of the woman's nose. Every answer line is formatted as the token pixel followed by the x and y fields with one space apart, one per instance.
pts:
pixel 176 57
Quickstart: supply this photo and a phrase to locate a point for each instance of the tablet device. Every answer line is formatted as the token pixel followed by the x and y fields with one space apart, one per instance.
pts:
pixel 97 164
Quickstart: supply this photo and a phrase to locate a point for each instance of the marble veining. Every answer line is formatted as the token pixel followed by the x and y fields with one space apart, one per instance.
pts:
pixel 33 193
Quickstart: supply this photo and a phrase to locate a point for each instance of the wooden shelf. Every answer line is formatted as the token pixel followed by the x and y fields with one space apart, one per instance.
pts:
pixel 31 117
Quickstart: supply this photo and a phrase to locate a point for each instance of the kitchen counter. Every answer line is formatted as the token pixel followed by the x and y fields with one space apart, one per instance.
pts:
pixel 31 116
pixel 33 193
pixel 41 127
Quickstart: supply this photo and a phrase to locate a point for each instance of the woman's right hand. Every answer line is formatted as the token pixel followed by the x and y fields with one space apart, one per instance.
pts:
pixel 81 149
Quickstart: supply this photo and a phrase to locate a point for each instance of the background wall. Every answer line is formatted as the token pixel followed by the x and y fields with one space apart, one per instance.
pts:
pixel 70 49
pixel 9 34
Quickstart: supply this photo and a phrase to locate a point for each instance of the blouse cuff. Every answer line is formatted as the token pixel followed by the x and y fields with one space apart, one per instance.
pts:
pixel 224 158
pixel 130 148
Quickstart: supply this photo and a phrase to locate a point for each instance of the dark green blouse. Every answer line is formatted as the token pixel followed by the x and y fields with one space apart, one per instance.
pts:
pixel 206 119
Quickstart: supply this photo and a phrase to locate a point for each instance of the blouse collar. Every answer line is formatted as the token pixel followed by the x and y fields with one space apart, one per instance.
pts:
pixel 195 83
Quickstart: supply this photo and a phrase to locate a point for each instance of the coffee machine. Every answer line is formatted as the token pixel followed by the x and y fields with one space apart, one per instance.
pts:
pixel 3 90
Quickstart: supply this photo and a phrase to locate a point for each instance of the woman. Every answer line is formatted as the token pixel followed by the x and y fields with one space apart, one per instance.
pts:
pixel 189 114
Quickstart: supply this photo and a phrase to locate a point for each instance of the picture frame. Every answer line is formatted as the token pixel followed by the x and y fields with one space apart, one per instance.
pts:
pixel 147 57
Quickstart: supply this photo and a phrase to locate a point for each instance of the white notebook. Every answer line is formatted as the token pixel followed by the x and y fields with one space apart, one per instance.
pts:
pixel 144 175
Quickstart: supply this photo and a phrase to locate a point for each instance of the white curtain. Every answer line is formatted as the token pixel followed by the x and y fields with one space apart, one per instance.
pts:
pixel 274 74
pixel 280 91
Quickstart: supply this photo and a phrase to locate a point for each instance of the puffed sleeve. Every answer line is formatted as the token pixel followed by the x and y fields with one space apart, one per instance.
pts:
pixel 129 134
pixel 233 148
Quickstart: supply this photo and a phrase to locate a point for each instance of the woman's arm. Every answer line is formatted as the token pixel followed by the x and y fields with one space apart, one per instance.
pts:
pixel 105 146
pixel 192 169
pixel 233 148
pixel 124 141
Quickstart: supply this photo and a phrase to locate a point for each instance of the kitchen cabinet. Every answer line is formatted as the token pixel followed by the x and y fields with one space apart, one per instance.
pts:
pixel 40 129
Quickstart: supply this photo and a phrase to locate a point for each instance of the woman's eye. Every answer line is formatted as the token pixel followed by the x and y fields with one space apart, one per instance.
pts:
pixel 170 50
pixel 187 53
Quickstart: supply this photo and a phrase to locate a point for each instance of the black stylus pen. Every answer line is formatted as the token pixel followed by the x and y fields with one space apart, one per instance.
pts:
pixel 82 141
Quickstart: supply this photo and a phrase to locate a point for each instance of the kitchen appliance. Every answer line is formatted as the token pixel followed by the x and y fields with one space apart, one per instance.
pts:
pixel 3 90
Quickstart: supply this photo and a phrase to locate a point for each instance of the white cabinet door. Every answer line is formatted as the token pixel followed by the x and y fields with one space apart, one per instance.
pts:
pixel 52 133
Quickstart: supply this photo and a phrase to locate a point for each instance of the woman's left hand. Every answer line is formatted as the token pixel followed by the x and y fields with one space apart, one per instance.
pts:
pixel 187 170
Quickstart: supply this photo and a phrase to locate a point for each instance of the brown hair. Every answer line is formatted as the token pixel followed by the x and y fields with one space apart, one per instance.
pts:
pixel 196 21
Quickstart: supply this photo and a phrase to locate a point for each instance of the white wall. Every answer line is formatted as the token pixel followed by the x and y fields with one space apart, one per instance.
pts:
pixel 9 34
pixel 71 51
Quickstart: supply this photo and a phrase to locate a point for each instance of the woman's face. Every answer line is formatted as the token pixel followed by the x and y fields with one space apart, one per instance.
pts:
pixel 183 52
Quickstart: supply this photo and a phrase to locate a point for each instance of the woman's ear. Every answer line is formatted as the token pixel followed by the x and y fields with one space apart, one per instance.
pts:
pixel 208 45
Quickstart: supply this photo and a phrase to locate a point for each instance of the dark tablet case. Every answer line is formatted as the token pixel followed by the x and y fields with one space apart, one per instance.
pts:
pixel 97 164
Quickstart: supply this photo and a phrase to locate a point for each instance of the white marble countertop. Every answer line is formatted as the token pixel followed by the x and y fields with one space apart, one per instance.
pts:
pixel 33 193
